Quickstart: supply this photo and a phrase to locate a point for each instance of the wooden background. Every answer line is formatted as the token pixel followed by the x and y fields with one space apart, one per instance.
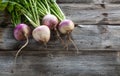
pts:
pixel 97 36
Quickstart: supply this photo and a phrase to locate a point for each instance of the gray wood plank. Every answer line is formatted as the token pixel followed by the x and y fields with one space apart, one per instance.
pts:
pixel 89 1
pixel 74 1
pixel 66 64
pixel 86 37
pixel 91 13
pixel 115 1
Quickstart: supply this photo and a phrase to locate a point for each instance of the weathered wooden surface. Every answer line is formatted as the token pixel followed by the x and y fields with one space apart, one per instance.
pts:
pixel 86 37
pixel 91 13
pixel 37 63
pixel 99 45
pixel 88 1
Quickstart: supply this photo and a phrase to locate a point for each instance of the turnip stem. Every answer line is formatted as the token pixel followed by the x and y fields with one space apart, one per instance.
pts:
pixel 56 10
pixel 62 14
pixel 32 15
pixel 56 15
pixel 48 8
pixel 27 40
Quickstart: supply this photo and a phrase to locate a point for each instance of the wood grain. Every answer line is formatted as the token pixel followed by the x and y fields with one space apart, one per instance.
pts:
pixel 1 37
pixel 91 13
pixel 89 1
pixel 87 38
pixel 34 63
pixel 99 45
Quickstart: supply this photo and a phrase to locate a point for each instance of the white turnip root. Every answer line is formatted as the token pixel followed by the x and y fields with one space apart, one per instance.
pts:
pixel 41 34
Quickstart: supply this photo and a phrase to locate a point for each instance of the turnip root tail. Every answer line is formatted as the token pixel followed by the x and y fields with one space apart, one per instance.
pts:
pixel 45 44
pixel 67 42
pixel 58 35
pixel 49 54
pixel 69 38
pixel 27 40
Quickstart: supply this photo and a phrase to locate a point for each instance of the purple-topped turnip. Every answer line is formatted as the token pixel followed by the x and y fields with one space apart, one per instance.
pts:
pixel 22 32
pixel 66 26
pixel 50 20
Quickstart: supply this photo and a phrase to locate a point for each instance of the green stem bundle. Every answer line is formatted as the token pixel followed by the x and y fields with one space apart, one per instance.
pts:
pixel 28 8
pixel 56 10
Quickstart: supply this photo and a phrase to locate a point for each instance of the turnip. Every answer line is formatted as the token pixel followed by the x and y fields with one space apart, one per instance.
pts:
pixel 66 27
pixel 22 32
pixel 44 11
pixel 50 20
pixel 41 34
